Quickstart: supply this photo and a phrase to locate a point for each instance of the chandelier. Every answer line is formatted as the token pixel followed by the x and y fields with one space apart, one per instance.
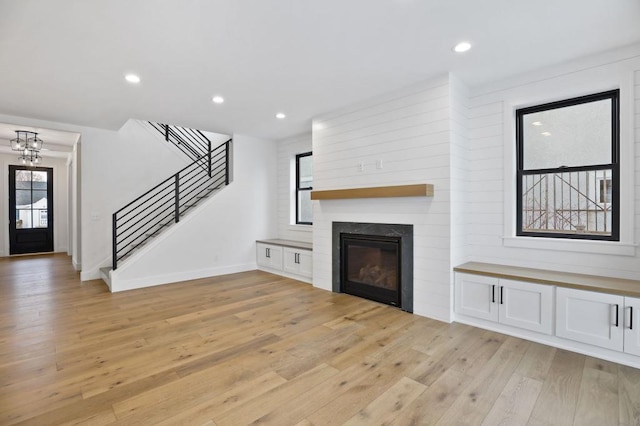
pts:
pixel 29 145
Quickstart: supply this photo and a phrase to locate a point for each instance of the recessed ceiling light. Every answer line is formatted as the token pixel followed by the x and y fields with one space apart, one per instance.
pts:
pixel 318 126
pixel 132 78
pixel 218 99
pixel 546 133
pixel 280 116
pixel 537 123
pixel 462 47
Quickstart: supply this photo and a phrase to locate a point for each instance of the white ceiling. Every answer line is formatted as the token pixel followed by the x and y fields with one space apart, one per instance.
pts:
pixel 64 60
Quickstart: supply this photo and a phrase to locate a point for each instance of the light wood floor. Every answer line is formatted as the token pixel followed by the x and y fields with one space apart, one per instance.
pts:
pixel 255 347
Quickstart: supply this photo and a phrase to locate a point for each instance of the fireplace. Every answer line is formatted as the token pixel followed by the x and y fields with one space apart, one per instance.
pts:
pixel 374 261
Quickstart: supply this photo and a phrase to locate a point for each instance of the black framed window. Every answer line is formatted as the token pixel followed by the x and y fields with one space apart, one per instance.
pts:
pixel 568 172
pixel 304 184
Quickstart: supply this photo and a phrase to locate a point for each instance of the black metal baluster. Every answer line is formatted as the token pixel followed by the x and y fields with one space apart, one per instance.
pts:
pixel 177 197
pixel 114 242
pixel 209 157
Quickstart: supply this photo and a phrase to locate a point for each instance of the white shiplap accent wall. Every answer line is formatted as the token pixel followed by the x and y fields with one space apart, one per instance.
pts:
pixel 409 132
pixel 492 166
pixel 287 151
pixel 459 157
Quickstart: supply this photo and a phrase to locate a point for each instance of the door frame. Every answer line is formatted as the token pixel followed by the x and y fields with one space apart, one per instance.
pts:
pixel 11 205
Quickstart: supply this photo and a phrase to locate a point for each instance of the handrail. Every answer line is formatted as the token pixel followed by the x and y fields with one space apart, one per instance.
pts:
pixel 171 197
pixel 192 142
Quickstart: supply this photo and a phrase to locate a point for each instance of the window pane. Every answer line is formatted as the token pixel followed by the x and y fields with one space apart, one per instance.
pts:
pixel 577 135
pixel 305 210
pixel 23 219
pixel 306 171
pixel 40 218
pixel 39 199
pixel 23 198
pixel 568 203
pixel 39 176
pixel 23 179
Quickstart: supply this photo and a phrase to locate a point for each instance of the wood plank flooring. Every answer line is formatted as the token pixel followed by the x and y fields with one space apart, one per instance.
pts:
pixel 256 348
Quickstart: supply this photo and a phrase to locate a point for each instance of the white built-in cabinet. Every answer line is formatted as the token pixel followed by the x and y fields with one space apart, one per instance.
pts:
pixel 519 304
pixel 632 326
pixel 594 322
pixel 298 261
pixel 606 320
pixel 294 262
pixel 269 256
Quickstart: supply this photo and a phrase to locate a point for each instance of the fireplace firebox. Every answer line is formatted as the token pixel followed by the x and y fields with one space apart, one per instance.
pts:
pixel 371 267
pixel 374 261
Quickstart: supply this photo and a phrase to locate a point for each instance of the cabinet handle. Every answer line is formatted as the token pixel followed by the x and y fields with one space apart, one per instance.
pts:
pixel 630 317
pixel 501 295
pixel 493 293
pixel 617 323
pixel 268 252
pixel 295 258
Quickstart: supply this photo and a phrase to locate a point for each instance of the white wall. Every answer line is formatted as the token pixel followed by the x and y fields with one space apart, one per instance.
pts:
pixel 117 167
pixel 219 236
pixel 410 132
pixel 459 172
pixel 60 202
pixel 287 151
pixel 492 167
pixel 75 205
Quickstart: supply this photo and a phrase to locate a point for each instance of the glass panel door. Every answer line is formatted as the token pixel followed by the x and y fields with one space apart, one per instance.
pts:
pixel 30 201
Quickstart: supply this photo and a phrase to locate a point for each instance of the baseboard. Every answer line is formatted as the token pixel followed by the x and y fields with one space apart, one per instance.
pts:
pixel 552 340
pixel 119 284
pixel 77 266
pixel 93 274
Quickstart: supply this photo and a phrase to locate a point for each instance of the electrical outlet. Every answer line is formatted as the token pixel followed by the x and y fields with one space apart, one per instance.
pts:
pixel 361 167
pixel 378 164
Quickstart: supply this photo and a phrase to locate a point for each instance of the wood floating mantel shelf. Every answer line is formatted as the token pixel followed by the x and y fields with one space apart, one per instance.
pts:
pixel 419 190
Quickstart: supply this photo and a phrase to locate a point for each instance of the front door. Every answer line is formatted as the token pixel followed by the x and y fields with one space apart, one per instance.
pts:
pixel 30 209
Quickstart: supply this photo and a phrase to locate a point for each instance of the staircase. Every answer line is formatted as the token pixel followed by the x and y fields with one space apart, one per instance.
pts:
pixel 162 206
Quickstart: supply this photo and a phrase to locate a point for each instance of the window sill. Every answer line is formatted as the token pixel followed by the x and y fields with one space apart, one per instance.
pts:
pixel 300 227
pixel 614 248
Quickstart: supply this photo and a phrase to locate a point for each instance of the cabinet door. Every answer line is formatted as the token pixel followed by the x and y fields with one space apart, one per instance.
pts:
pixel 290 260
pixel 475 295
pixel 305 263
pixel 526 305
pixel 590 317
pixel 269 256
pixel 298 262
pixel 261 255
pixel 632 325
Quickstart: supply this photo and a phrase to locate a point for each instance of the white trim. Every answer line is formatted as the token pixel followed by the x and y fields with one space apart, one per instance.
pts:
pixel 556 342
pixel 300 227
pixel 626 246
pixel 94 272
pixel 580 246
pixel 173 278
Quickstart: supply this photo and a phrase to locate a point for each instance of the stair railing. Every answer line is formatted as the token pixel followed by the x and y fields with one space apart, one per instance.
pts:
pixel 191 142
pixel 146 216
